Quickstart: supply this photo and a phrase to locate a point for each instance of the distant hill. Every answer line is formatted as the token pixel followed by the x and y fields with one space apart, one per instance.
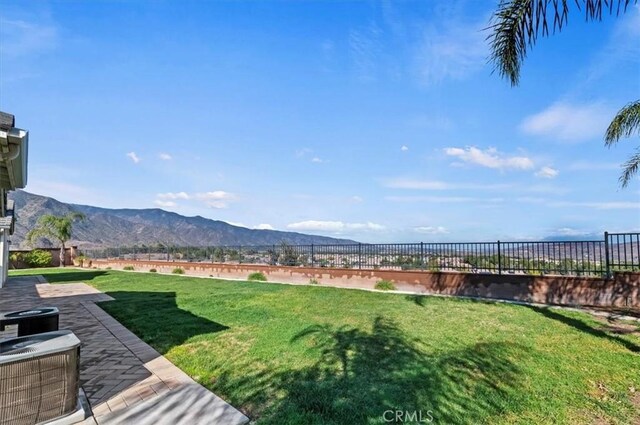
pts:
pixel 106 227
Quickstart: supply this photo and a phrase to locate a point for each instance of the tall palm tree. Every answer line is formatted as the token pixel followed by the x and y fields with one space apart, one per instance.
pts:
pixel 56 228
pixel 624 124
pixel 516 26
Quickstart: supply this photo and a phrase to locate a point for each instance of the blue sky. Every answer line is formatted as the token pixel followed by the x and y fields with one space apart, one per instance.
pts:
pixel 379 121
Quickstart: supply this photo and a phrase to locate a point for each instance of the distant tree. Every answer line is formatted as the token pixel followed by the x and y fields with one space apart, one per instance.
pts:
pixel 516 26
pixel 218 255
pixel 287 256
pixel 55 229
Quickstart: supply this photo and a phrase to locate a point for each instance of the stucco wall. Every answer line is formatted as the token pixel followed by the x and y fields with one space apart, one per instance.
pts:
pixel 621 290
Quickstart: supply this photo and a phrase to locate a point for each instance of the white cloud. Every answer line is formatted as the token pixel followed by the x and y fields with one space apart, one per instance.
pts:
pixel 431 121
pixel 404 183
pixel 64 191
pixel 568 231
pixel 333 226
pixel 444 199
pixel 316 160
pixel 439 199
pixel 453 51
pixel 547 188
pixel 357 199
pixel 20 38
pixel 622 47
pixel 164 204
pixel 213 199
pixel 401 183
pixel 132 156
pixel 531 200
pixel 490 158
pixel 264 226
pixel 432 230
pixel 365 49
pixel 584 165
pixel 303 152
pixel 569 123
pixel 170 195
pixel 236 223
pixel 547 173
pixel 404 148
pixel 165 156
pixel 598 205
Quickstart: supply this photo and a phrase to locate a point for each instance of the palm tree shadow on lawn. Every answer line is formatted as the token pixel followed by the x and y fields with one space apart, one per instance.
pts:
pixel 72 276
pixel 360 375
pixel 585 327
pixel 156 318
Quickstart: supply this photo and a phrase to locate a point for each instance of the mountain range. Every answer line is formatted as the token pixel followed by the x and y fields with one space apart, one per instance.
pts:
pixel 105 227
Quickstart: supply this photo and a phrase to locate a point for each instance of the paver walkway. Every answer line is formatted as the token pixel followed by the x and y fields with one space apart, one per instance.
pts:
pixel 126 380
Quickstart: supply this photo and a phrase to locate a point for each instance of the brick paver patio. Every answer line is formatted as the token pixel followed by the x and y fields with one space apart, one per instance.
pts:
pixel 126 381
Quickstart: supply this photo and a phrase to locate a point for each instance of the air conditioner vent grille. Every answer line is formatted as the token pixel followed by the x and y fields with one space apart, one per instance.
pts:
pixel 39 389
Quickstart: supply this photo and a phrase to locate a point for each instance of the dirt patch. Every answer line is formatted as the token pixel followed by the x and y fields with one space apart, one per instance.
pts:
pixel 619 311
pixel 635 400
pixel 618 327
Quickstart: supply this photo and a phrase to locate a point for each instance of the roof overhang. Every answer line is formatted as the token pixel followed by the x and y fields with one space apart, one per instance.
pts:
pixel 14 149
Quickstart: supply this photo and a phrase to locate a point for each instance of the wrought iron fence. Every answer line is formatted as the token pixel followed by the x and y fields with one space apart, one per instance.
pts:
pixel 623 251
pixel 616 252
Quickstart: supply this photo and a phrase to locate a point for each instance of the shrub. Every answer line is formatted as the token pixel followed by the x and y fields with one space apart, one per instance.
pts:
pixel 108 268
pixel 385 285
pixel 177 270
pixel 258 277
pixel 153 271
pixel 38 258
pixel 128 268
pixel 314 282
pixel 16 259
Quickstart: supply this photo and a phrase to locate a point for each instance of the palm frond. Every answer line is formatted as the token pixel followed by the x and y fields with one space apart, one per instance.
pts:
pixel 55 228
pixel 40 232
pixel 517 24
pixel 630 169
pixel 624 124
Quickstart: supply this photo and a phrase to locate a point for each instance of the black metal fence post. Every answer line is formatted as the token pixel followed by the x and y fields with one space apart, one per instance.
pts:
pixel 312 259
pixel 422 256
pixel 499 259
pixel 359 255
pixel 607 260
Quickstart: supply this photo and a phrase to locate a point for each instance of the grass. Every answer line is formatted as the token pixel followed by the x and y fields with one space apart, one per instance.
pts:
pixel 385 285
pixel 288 354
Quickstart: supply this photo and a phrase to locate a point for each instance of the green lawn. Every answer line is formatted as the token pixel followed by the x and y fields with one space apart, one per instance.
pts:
pixel 315 355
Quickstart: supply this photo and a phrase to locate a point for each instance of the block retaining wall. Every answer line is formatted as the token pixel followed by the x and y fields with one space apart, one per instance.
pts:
pixel 622 290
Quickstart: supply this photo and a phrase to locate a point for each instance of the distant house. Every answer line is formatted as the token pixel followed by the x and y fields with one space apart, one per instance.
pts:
pixel 14 147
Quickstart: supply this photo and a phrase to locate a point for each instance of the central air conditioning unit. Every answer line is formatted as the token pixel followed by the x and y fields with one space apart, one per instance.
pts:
pixel 39 377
